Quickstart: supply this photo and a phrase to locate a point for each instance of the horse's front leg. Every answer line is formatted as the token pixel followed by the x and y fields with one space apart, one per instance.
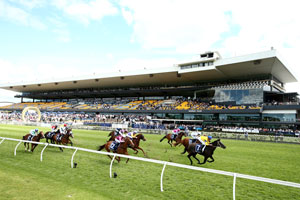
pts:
pixel 204 161
pixel 142 150
pixel 194 155
pixel 189 156
pixel 33 147
pixel 212 159
pixel 170 142
pixel 126 153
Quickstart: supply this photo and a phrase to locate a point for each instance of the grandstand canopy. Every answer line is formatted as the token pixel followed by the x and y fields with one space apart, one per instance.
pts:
pixel 257 64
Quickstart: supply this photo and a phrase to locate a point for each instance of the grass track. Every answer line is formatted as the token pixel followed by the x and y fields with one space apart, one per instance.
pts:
pixel 24 176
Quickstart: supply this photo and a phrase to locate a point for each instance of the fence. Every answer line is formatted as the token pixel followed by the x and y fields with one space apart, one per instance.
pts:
pixel 164 163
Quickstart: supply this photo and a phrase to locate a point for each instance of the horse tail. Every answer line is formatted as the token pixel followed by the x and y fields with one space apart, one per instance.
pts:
pixel 101 147
pixel 163 138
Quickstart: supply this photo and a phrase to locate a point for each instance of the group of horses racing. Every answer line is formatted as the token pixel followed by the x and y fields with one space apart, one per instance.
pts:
pixel 54 137
pixel 131 142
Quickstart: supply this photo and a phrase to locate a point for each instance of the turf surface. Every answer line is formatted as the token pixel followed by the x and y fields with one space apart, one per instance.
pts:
pixel 24 177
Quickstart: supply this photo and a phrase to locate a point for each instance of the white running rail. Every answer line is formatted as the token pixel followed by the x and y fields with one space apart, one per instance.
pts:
pixel 164 163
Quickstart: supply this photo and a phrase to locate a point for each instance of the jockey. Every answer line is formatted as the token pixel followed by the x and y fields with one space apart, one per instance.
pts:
pixel 175 132
pixel 205 140
pixel 33 133
pixel 53 128
pixel 195 136
pixel 63 129
pixel 118 131
pixel 132 134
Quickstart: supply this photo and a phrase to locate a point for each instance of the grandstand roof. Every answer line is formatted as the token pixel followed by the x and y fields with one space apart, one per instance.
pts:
pixel 262 63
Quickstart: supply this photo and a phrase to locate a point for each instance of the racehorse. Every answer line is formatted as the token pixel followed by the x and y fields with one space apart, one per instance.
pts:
pixel 49 136
pixel 170 138
pixel 136 142
pixel 122 148
pixel 64 139
pixel 186 142
pixel 35 138
pixel 207 153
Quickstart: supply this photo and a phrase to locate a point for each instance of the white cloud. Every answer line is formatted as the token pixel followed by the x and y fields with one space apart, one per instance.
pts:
pixel 30 3
pixel 87 11
pixel 20 16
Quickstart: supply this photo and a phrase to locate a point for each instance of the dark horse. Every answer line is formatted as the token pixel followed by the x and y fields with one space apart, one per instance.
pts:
pixel 49 136
pixel 170 138
pixel 64 139
pixel 186 142
pixel 207 153
pixel 136 142
pixel 36 138
pixel 122 148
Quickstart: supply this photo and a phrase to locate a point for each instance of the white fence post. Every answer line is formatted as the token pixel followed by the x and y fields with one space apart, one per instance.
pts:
pixel 112 160
pixel 17 147
pixel 234 181
pixel 73 157
pixel 161 177
pixel 43 151
pixel 2 140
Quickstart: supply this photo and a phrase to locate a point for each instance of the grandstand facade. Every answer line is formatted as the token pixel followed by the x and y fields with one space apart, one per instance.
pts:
pixel 246 90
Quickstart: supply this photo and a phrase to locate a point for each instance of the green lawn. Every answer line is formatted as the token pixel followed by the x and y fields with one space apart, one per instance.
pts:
pixel 25 177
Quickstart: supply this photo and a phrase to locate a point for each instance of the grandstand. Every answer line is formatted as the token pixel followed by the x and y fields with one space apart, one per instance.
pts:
pixel 245 91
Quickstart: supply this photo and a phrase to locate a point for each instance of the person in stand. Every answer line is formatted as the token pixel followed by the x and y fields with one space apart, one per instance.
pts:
pixel 33 133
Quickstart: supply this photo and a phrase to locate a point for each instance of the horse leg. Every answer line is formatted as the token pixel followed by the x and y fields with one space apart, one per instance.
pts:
pixel 170 142
pixel 33 147
pixel 71 142
pixel 142 150
pixel 126 153
pixel 204 161
pixel 212 159
pixel 194 155
pixel 189 156
pixel 184 151
pixel 136 151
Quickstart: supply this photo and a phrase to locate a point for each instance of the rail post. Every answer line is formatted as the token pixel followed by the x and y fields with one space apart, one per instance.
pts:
pixel 43 151
pixel 161 177
pixel 112 160
pixel 73 157
pixel 234 181
pixel 2 140
pixel 17 147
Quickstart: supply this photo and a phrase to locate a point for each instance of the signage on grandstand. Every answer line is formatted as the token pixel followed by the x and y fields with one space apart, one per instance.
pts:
pixel 31 114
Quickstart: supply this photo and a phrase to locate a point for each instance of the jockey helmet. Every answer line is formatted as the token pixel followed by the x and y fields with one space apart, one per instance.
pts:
pixel 65 125
pixel 36 130
pixel 134 132
pixel 209 137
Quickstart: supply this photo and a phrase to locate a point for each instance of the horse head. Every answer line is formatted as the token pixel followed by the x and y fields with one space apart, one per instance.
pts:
pixel 69 131
pixel 41 134
pixel 218 143
pixel 141 137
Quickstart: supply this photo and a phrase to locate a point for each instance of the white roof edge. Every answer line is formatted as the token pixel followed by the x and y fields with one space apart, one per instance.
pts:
pixel 245 58
pixel 95 76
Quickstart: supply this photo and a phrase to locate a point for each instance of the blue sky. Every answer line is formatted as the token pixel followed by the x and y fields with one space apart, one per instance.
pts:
pixel 42 39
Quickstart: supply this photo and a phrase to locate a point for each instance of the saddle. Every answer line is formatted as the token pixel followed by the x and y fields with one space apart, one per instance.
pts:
pixel 114 146
pixel 30 137
pixel 198 148
pixel 173 137
pixel 192 141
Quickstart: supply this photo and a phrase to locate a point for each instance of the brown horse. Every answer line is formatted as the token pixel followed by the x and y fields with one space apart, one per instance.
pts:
pixel 207 153
pixel 64 139
pixel 170 138
pixel 186 142
pixel 36 138
pixel 122 148
pixel 136 142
